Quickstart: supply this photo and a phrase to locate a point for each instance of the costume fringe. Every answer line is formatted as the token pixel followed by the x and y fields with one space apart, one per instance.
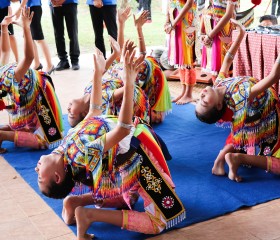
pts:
pixel 176 220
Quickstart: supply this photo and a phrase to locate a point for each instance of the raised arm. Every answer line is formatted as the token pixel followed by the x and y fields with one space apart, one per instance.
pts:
pixel 130 70
pixel 5 39
pixel 272 78
pixel 139 22
pixel 115 54
pixel 96 93
pixel 123 15
pixel 222 22
pixel 233 48
pixel 24 64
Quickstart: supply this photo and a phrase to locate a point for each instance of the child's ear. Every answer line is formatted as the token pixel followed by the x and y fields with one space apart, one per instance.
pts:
pixel 84 113
pixel 57 177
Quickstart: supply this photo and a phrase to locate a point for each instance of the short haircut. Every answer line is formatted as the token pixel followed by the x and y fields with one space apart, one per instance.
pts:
pixel 211 116
pixel 271 18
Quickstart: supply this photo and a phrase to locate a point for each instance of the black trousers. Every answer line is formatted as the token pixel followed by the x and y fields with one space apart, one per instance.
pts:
pixel 69 13
pixel 273 9
pixel 108 14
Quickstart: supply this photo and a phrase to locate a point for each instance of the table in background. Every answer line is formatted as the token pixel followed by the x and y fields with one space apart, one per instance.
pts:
pixel 256 55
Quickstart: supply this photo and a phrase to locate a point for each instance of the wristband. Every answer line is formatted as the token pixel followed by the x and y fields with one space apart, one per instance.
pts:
pixel 124 125
pixel 93 106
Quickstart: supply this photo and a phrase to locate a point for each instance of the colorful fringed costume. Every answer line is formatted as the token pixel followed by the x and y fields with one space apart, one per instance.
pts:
pixel 212 57
pixel 33 107
pixel 181 47
pixel 111 107
pixel 253 123
pixel 152 80
pixel 128 165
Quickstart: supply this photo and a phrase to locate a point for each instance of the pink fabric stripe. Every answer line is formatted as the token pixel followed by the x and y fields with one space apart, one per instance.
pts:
pixel 269 44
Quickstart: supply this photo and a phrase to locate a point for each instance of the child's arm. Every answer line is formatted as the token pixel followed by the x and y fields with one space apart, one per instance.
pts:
pixel 123 15
pixel 116 52
pixel 130 70
pixel 139 22
pixel 96 93
pixel 24 64
pixel 179 17
pixel 233 49
pixel 272 78
pixel 5 39
pixel 222 22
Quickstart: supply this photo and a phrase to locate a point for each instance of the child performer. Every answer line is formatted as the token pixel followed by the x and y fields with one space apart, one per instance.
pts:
pixel 35 118
pixel 180 24
pixel 268 163
pixel 113 156
pixel 238 103
pixel 216 31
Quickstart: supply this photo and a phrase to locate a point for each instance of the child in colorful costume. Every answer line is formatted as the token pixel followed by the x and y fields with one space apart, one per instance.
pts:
pixel 113 156
pixel 270 162
pixel 28 96
pixel 180 25
pixel 216 31
pixel 237 103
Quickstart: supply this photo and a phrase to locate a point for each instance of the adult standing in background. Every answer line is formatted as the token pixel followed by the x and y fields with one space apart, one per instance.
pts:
pixel 4 4
pixel 68 10
pixel 103 11
pixel 37 35
pixel 273 8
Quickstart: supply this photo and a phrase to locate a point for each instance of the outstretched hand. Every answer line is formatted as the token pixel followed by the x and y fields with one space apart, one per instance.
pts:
pixel 131 67
pixel 115 46
pixel 128 46
pixel 141 20
pixel 26 17
pixel 99 61
pixel 123 15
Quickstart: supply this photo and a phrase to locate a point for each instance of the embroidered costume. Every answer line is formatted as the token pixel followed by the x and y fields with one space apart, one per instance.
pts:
pixel 153 82
pixel 212 57
pixel 252 123
pixel 33 107
pixel 136 162
pixel 111 107
pixel 181 47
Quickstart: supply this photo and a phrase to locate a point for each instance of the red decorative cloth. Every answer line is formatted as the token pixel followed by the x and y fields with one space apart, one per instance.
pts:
pixel 242 65
pixel 255 48
pixel 269 53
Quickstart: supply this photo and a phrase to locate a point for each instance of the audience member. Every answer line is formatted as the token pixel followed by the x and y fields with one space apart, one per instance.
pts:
pixel 4 4
pixel 103 11
pixel 268 20
pixel 66 10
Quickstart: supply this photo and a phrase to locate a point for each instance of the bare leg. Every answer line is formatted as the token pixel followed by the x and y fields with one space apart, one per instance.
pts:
pixel 187 96
pixel 46 52
pixel 234 160
pixel 36 56
pixel 219 164
pixel 182 80
pixel 182 93
pixel 86 216
pixel 14 48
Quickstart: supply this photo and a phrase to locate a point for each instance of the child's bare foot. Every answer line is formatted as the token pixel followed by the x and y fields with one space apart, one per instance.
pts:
pixel 219 168
pixel 184 100
pixel 68 211
pixel 83 224
pixel 233 164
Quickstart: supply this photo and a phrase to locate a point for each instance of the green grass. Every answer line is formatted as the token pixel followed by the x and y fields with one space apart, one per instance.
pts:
pixel 153 32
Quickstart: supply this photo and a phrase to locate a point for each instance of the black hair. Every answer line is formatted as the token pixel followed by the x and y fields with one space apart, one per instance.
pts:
pixel 211 116
pixel 271 18
pixel 61 190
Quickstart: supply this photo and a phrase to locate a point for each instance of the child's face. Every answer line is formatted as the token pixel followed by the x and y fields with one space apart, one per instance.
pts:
pixel 207 100
pixel 74 113
pixel 45 171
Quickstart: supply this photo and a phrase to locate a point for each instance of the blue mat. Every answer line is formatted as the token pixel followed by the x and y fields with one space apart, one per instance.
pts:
pixel 193 146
